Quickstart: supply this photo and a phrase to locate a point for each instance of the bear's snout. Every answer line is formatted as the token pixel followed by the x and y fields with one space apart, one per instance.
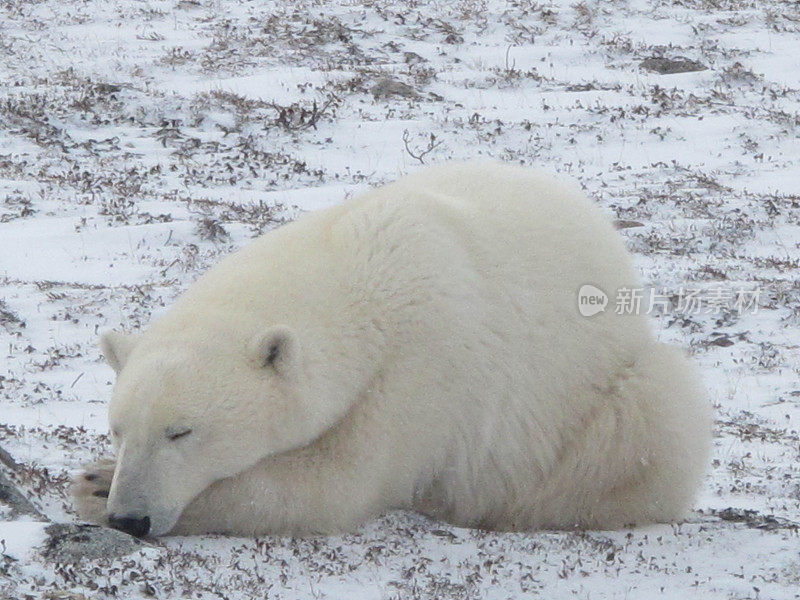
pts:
pixel 135 526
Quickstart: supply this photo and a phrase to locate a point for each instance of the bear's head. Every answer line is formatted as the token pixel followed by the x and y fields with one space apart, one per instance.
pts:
pixel 189 411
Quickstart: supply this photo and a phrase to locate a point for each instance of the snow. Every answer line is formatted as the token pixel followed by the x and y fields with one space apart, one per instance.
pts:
pixel 142 141
pixel 19 539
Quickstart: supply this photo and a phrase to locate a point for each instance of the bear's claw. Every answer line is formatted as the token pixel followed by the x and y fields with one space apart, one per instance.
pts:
pixel 90 490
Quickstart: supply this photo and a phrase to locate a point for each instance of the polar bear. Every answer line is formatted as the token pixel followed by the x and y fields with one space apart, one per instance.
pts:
pixel 419 346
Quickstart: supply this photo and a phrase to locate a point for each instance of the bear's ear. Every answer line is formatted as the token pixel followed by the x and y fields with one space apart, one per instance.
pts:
pixel 276 349
pixel 116 347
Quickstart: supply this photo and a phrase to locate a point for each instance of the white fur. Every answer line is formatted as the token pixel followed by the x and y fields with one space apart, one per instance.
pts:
pixel 431 357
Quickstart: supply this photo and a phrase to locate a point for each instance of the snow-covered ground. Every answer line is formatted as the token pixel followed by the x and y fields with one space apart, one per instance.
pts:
pixel 142 140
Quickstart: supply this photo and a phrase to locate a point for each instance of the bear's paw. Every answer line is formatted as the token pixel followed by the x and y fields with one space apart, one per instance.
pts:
pixel 90 490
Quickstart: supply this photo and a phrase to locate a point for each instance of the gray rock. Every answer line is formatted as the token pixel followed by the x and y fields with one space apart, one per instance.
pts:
pixel 412 58
pixel 669 66
pixel 386 87
pixel 5 457
pixel 70 543
pixel 16 500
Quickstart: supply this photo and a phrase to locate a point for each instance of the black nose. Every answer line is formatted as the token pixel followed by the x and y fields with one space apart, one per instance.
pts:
pixel 136 526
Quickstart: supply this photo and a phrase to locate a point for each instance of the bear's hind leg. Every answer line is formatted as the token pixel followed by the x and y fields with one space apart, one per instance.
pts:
pixel 90 491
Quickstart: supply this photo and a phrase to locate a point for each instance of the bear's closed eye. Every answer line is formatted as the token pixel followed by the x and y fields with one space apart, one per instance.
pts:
pixel 174 433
